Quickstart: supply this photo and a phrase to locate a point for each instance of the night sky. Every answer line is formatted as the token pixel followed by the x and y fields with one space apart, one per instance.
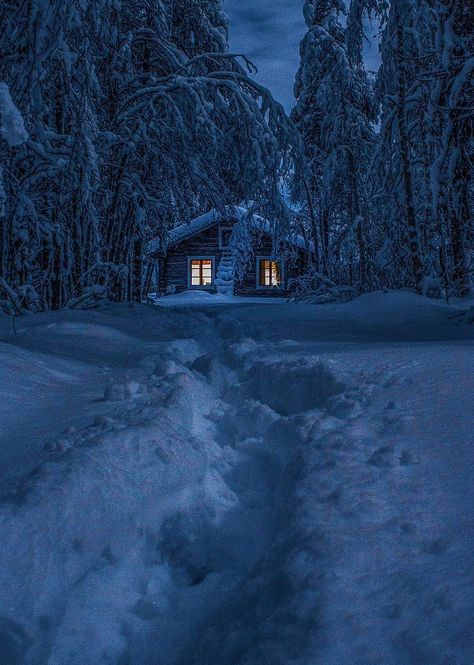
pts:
pixel 269 33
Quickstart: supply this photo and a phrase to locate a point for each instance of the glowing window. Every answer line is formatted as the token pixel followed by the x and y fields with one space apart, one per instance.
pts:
pixel 201 272
pixel 269 273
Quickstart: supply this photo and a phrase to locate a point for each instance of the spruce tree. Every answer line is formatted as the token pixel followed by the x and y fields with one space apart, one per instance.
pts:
pixel 334 112
pixel 452 135
pixel 138 118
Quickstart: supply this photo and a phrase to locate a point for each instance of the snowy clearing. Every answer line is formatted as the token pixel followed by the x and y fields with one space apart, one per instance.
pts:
pixel 249 484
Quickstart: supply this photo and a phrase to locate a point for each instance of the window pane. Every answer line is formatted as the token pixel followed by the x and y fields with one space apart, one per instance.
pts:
pixel 269 273
pixel 201 272
pixel 195 273
pixel 264 272
pixel 268 278
pixel 275 277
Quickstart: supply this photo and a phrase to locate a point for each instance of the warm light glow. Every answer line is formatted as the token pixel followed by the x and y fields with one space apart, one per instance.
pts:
pixel 269 273
pixel 201 272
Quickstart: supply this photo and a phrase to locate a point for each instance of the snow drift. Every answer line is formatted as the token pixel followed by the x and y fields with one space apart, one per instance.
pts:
pixel 236 497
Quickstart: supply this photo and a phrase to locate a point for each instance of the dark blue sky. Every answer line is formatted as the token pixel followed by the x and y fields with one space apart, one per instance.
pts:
pixel 269 33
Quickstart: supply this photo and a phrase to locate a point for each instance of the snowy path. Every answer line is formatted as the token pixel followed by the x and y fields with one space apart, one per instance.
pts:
pixel 278 485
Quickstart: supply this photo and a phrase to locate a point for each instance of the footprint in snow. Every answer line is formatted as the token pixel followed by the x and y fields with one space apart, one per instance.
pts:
pixel 435 547
pixel 408 528
pixel 407 458
pixel 342 407
pixel 381 457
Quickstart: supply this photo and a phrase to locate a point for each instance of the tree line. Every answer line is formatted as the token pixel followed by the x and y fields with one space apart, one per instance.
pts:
pixel 390 156
pixel 136 117
pixel 120 120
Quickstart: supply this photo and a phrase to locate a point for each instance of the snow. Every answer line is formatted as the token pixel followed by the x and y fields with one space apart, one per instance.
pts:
pixel 194 297
pixel 185 230
pixel 11 123
pixel 253 482
pixel 198 224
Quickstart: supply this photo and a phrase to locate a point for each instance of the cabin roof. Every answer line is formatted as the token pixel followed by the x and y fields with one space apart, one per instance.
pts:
pixel 198 224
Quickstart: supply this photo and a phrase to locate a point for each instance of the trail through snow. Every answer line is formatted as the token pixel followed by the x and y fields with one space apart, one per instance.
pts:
pixel 247 484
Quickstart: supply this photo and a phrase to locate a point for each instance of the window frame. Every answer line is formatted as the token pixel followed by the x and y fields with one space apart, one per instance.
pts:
pixel 270 287
pixel 212 259
pixel 221 229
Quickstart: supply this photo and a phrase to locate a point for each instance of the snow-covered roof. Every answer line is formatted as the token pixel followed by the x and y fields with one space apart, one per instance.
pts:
pixel 208 219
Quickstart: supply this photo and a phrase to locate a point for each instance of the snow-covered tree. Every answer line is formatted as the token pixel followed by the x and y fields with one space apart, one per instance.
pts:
pixel 452 135
pixel 137 116
pixel 401 161
pixel 46 54
pixel 335 112
pixel 422 170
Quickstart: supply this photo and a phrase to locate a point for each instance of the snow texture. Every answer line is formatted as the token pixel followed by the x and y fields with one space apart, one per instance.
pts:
pixel 11 123
pixel 238 484
pixel 208 219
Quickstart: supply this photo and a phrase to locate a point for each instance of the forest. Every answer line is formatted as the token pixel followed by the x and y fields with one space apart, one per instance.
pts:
pixel 279 473
pixel 120 120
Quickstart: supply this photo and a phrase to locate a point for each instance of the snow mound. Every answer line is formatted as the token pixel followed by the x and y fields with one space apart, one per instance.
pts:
pixel 272 485
pixel 116 499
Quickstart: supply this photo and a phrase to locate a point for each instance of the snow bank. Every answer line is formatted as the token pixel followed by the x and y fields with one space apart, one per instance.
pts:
pixel 258 487
pixel 90 529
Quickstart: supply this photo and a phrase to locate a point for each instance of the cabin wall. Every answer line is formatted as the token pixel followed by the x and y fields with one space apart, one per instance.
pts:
pixel 174 267
pixel 263 246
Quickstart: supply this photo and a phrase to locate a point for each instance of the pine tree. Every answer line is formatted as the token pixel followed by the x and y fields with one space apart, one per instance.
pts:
pixel 452 134
pixel 137 117
pixel 423 181
pixel 402 153
pixel 335 113
pixel 45 55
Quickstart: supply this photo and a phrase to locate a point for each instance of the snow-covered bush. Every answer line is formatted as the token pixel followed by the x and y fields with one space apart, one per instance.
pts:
pixel 90 297
pixel 313 287
pixel 431 287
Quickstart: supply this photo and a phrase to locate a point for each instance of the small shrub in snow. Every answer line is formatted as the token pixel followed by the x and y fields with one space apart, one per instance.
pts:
pixel 318 289
pixel 431 287
pixel 90 297
pixel 466 316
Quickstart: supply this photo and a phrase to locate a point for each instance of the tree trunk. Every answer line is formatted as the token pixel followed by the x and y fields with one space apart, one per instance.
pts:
pixel 136 287
pixel 460 221
pixel 314 228
pixel 405 162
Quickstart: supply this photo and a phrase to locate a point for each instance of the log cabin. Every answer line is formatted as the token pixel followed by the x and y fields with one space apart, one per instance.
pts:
pixel 201 255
